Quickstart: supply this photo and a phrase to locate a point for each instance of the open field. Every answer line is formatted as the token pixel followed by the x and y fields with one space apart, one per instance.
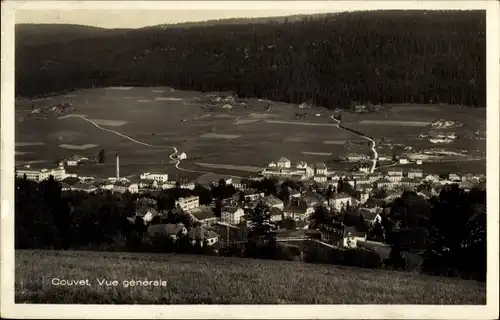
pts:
pixel 242 136
pixel 74 147
pixel 396 123
pixel 185 279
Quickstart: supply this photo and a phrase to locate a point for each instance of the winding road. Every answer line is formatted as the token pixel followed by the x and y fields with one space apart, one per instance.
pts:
pixel 171 156
pixel 373 145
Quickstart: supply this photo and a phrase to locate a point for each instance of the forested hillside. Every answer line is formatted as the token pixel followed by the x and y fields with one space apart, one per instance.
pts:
pixel 36 34
pixel 381 57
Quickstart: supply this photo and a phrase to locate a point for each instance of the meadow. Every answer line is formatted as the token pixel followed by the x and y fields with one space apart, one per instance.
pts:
pixel 162 117
pixel 187 279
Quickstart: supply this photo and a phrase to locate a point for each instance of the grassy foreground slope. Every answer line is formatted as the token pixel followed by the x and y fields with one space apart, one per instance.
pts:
pixel 216 280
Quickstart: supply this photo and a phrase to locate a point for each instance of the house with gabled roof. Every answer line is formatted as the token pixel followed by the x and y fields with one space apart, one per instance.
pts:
pixel 298 212
pixel 158 231
pixel 274 202
pixel 352 236
pixel 283 163
pixel 340 200
pixel 371 217
pixel 276 214
pixel 320 168
pixel 202 234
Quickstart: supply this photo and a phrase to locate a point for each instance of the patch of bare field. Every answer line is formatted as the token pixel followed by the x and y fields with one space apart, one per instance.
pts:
pixel 224 116
pixel 336 142
pixel 317 153
pixel 21 153
pixel 295 139
pixel 66 135
pixel 28 144
pixel 243 121
pixel 219 136
pixel 72 115
pixel 167 99
pixel 143 101
pixel 27 162
pixel 300 123
pixel 262 115
pixel 399 109
pixel 77 147
pixel 119 88
pixel 111 123
pixel 396 123
pixel 158 91
pixel 229 167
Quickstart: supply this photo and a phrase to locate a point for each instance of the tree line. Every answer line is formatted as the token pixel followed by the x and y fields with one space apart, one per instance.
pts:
pixel 377 57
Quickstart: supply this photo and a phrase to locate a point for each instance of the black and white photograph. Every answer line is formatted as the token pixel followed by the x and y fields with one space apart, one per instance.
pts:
pixel 251 153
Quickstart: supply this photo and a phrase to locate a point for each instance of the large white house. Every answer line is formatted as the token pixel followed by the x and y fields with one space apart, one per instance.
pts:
pixel 41 174
pixel 156 176
pixel 340 200
pixel 188 204
pixel 232 215
pixel 283 163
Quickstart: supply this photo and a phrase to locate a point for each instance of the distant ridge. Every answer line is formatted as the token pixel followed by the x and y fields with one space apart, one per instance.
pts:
pixel 33 34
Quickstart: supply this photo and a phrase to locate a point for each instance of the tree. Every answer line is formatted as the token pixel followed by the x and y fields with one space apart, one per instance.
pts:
pixel 284 194
pixel 217 210
pixel 241 197
pixel 456 245
pixel 261 238
pixel 101 156
pixel 320 217
pixel 288 223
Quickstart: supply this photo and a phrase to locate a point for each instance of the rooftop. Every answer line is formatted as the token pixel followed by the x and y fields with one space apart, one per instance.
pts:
pixel 320 165
pixel 283 159
pixel 352 232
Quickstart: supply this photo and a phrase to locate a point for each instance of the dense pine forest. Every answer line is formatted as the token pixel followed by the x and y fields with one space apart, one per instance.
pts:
pixel 380 57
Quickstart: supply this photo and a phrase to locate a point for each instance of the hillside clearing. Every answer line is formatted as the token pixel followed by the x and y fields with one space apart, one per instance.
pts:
pixel 397 123
pixel 76 147
pixel 191 279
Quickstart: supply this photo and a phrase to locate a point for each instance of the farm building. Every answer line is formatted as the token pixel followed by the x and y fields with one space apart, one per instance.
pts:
pixel 167 230
pixel 321 168
pixel 352 236
pixel 274 202
pixel 202 234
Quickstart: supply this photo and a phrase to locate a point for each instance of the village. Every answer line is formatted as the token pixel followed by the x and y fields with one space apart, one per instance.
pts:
pixel 225 223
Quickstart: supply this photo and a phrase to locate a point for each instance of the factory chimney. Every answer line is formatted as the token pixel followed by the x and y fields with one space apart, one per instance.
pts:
pixel 117 167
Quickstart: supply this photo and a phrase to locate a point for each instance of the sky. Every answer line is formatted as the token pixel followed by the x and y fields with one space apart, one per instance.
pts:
pixel 142 18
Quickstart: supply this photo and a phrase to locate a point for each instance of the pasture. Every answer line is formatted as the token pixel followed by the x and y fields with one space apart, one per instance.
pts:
pixel 248 135
pixel 190 279
pixel 165 118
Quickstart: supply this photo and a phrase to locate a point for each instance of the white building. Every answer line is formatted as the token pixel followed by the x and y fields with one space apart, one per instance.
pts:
pixel 274 202
pixel 188 204
pixel 41 174
pixel 403 161
pixel 182 156
pixel 340 200
pixel 283 163
pixel 415 173
pixel 352 236
pixel 126 186
pixel 160 177
pixel 232 215
pixel 321 168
